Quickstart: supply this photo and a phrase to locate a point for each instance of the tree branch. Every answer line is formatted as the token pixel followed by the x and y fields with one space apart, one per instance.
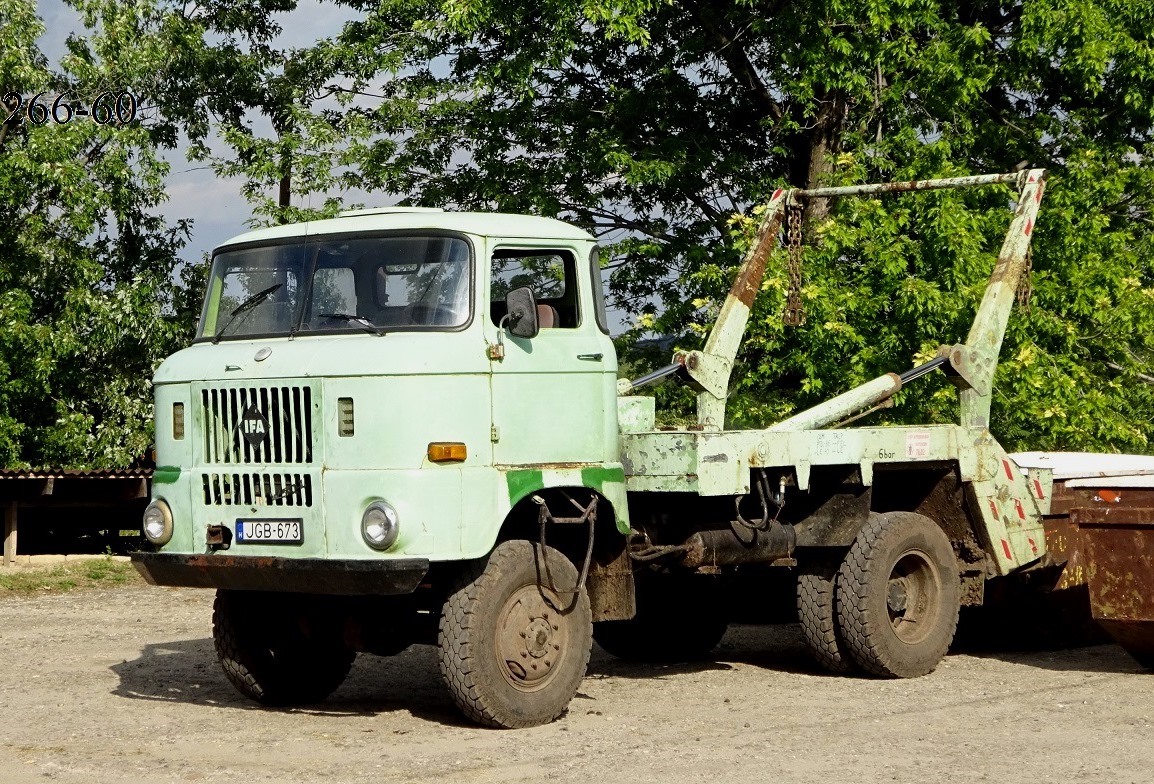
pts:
pixel 736 59
pixel 1139 376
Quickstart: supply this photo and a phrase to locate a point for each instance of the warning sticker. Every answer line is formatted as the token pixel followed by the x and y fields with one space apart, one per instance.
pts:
pixel 918 443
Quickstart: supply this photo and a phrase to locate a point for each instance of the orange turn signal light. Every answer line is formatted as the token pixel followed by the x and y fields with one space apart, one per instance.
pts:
pixel 446 452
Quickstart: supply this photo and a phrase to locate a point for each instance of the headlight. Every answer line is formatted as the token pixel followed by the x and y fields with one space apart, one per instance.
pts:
pixel 158 523
pixel 380 525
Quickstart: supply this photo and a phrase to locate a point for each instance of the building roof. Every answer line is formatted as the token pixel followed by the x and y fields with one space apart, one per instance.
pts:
pixel 59 473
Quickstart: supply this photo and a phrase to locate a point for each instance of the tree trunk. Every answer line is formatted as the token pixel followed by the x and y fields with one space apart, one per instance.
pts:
pixel 286 185
pixel 282 127
pixel 813 151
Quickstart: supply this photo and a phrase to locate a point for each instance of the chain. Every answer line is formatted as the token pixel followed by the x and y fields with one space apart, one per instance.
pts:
pixel 794 315
pixel 1025 283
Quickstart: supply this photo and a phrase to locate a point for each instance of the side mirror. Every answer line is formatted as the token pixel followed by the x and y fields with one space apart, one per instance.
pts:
pixel 521 307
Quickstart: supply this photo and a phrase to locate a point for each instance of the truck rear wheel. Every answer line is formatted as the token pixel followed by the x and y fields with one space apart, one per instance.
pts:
pixel 898 595
pixel 266 655
pixel 817 611
pixel 513 642
pixel 679 618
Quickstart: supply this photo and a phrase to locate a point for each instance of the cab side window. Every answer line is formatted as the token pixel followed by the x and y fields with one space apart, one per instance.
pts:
pixel 551 274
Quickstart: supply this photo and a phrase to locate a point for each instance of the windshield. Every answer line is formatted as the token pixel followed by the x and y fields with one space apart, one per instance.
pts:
pixel 379 283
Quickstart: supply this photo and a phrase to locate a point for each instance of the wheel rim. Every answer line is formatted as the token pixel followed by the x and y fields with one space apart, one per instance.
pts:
pixel 913 596
pixel 531 639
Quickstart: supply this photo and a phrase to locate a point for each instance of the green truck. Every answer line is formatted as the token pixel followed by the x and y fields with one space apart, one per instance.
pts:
pixel 406 426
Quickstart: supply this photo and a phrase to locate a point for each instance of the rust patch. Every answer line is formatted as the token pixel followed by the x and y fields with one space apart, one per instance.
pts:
pixel 1065 499
pixel 1118 545
pixel 1063 542
pixel 748 281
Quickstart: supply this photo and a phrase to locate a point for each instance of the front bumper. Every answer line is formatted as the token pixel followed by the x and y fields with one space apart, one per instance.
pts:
pixel 300 575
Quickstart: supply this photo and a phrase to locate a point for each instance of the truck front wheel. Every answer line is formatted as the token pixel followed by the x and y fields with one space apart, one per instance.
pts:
pixel 513 641
pixel 265 653
pixel 898 595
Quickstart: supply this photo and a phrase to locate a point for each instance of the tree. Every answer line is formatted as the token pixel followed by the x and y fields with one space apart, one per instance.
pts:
pixel 661 124
pixel 89 272
pixel 253 109
pixel 653 123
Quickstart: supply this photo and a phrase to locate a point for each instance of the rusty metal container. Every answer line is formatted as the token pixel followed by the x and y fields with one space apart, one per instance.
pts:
pixel 1117 546
pixel 1085 480
pixel 1058 594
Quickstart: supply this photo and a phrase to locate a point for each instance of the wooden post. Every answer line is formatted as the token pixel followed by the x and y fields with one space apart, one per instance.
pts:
pixel 10 534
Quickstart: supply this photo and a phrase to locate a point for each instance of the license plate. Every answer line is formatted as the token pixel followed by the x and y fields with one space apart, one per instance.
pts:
pixel 272 531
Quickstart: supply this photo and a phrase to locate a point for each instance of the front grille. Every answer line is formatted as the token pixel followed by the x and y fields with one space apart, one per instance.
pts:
pixel 263 425
pixel 257 489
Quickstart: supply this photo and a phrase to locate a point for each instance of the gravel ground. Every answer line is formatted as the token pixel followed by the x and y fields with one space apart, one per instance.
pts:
pixel 122 686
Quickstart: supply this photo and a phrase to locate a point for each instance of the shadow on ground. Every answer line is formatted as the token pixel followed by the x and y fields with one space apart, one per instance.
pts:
pixel 1105 659
pixel 1051 632
pixel 186 671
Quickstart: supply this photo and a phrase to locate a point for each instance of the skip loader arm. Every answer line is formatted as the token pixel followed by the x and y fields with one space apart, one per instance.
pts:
pixel 970 365
pixel 708 370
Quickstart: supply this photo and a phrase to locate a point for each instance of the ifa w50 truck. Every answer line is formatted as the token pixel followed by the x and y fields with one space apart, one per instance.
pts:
pixel 406 426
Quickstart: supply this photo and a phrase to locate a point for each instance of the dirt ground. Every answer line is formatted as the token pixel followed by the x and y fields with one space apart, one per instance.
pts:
pixel 122 685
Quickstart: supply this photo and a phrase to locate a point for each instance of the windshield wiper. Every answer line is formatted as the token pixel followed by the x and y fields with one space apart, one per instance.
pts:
pixel 360 321
pixel 248 304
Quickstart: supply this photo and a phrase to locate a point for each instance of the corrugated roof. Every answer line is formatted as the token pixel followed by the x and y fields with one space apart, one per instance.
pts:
pixel 57 473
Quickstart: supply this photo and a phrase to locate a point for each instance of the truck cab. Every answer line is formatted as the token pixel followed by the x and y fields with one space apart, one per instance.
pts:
pixel 370 367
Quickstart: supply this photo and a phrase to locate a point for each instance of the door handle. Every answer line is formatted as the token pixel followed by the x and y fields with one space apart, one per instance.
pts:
pixel 591 357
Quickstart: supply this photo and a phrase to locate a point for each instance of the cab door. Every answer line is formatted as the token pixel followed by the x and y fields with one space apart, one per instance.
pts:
pixel 554 395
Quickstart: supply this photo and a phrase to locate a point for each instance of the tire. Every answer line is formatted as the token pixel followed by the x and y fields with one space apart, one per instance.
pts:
pixel 678 619
pixel 509 657
pixel 817 612
pixel 267 656
pixel 898 595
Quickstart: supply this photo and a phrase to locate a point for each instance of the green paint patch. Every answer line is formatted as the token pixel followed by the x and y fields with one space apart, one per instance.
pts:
pixel 521 483
pixel 166 475
pixel 598 476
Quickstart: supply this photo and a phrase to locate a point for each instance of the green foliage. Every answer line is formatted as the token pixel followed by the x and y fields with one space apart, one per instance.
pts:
pixel 225 84
pixel 890 281
pixel 87 301
pixel 653 123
